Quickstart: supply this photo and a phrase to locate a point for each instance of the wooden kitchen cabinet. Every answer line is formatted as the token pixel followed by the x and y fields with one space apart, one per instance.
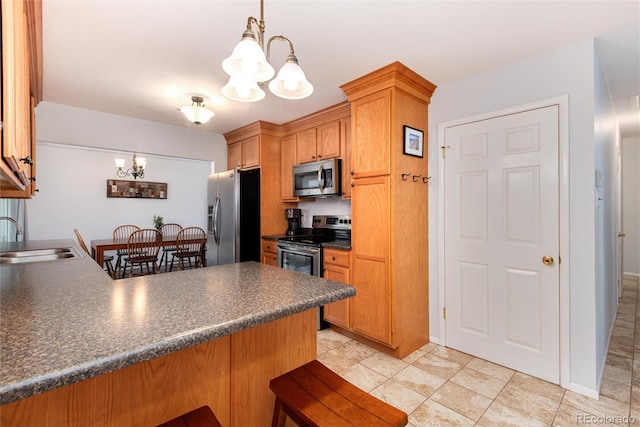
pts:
pixel 262 139
pixel 288 160
pixel 322 134
pixel 328 144
pixel 336 267
pixel 371 242
pixel 319 143
pixel 306 146
pixel 269 253
pixel 21 92
pixel 345 149
pixel 244 154
pixel 389 237
pixel 374 157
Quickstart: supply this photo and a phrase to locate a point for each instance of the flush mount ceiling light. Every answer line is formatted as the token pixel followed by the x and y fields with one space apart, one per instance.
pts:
pixel 197 112
pixel 137 170
pixel 247 66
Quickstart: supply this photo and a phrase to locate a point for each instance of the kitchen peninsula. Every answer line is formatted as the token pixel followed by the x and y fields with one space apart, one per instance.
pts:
pixel 78 348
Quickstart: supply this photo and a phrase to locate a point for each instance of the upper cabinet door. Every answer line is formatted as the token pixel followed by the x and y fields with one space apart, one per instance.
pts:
pixel 234 155
pixel 287 161
pixel 371 132
pixel 251 152
pixel 20 35
pixel 329 140
pixel 244 154
pixel 306 146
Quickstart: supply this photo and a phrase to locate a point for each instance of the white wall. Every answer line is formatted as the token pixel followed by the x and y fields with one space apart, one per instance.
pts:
pixel 73 194
pixel 568 70
pixel 631 205
pixel 606 148
pixel 72 173
pixel 88 128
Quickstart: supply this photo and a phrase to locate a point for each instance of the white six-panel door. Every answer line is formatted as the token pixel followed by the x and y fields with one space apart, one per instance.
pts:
pixel 501 218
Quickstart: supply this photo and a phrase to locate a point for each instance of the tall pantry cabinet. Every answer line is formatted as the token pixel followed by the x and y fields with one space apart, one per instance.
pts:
pixel 389 209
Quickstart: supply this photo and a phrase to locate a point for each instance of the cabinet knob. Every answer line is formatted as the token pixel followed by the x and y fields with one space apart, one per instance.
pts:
pixel 353 173
pixel 313 157
pixel 333 258
pixel 353 185
pixel 319 156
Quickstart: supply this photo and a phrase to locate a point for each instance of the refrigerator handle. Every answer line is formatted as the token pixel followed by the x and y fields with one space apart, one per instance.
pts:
pixel 216 219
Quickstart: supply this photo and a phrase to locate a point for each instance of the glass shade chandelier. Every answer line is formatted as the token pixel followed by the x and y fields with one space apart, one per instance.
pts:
pixel 248 66
pixel 136 171
pixel 197 112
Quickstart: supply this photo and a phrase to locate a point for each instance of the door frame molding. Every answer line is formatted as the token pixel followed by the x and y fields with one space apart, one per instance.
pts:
pixel 563 193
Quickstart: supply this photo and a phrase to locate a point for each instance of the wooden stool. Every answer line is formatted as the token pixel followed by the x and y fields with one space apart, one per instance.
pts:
pixel 201 417
pixel 313 395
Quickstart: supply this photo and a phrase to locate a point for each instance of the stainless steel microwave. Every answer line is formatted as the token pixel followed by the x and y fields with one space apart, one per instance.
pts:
pixel 317 179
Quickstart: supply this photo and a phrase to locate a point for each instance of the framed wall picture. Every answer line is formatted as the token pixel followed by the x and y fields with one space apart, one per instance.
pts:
pixel 136 189
pixel 413 142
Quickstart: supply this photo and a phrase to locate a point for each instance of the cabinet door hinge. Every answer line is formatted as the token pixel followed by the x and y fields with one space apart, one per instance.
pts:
pixel 444 313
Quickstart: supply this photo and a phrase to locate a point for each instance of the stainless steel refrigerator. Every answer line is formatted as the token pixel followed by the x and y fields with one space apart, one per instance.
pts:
pixel 233 199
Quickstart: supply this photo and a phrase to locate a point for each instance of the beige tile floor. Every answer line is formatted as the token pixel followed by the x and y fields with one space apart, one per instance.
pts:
pixel 438 386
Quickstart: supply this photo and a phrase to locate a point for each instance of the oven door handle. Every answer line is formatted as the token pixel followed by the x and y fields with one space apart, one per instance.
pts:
pixel 294 248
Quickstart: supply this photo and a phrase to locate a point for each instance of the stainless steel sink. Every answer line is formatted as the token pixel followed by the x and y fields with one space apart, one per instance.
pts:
pixel 38 255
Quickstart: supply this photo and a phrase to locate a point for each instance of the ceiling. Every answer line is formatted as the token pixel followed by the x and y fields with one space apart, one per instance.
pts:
pixel 139 58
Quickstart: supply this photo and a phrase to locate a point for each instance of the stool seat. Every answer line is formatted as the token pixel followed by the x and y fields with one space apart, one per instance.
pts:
pixel 313 395
pixel 201 417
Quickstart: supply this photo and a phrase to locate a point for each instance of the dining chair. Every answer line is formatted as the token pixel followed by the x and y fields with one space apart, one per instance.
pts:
pixel 142 249
pixel 168 230
pixel 108 259
pixel 122 232
pixel 190 244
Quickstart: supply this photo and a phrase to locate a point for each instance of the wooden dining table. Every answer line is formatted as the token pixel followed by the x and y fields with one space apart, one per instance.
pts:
pixel 100 246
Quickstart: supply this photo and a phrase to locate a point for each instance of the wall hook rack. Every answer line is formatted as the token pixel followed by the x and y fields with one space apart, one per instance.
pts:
pixel 405 176
pixel 415 177
pixel 426 179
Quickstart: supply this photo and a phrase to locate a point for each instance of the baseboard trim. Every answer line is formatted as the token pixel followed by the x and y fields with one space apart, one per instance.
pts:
pixel 584 391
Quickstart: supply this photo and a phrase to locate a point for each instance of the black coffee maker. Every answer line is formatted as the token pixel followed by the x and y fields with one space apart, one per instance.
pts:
pixel 294 218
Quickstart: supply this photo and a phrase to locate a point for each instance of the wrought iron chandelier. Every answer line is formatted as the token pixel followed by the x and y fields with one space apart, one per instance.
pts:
pixel 136 171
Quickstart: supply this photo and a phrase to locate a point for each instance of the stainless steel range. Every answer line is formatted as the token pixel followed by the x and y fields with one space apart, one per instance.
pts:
pixel 303 253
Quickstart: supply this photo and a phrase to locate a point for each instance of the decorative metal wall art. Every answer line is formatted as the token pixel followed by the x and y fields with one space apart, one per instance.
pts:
pixel 136 189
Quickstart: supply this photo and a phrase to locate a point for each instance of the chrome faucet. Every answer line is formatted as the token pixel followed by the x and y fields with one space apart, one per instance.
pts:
pixel 8 218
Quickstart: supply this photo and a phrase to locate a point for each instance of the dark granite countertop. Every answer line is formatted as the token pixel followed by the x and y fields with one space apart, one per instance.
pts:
pixel 66 321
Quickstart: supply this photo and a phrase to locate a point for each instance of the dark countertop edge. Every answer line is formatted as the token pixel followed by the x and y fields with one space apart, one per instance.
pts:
pixel 337 245
pixel 18 391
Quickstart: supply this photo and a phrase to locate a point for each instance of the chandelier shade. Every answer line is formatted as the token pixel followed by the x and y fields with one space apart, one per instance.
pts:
pixel 291 83
pixel 243 90
pixel 248 63
pixel 196 112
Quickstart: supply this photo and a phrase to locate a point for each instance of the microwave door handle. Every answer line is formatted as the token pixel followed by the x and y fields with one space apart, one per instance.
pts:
pixel 321 178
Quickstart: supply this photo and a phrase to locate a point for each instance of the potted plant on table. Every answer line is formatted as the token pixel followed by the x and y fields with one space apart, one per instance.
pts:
pixel 157 222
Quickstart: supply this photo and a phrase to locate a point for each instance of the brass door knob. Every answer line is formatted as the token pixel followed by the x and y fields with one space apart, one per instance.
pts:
pixel 547 260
